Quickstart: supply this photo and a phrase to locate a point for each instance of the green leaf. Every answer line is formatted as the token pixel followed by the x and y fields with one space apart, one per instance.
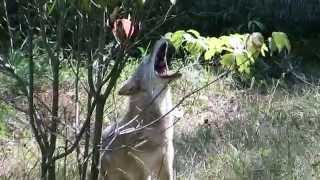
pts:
pixel 254 43
pixel 214 43
pixel 264 49
pixel 194 49
pixel 168 35
pixel 177 39
pixel 142 50
pixel 243 62
pixel 225 40
pixel 228 60
pixel 189 38
pixel 194 32
pixel 281 41
pixel 241 59
pixel 272 46
pixel 209 53
pixel 203 43
pixel 214 46
pixel 52 6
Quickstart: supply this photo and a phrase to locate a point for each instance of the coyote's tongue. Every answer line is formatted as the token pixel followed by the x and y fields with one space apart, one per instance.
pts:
pixel 161 67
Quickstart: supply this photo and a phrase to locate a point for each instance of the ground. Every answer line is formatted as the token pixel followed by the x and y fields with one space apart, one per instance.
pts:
pixel 221 133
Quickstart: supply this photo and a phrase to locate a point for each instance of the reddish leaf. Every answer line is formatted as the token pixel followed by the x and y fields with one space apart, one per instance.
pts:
pixel 124 29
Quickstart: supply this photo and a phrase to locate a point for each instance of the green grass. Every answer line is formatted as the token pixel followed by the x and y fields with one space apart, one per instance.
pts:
pixel 276 139
pixel 249 135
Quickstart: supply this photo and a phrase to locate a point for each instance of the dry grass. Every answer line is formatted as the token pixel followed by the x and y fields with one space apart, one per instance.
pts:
pixel 222 133
pixel 259 136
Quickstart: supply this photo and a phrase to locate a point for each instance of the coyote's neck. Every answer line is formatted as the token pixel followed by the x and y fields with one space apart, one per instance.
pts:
pixel 146 110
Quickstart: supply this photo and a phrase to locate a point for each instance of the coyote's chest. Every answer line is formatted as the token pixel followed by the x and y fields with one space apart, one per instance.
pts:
pixel 141 145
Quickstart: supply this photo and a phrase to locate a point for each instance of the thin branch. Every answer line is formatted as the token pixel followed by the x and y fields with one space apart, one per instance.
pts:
pixel 8 25
pixel 36 131
pixel 74 71
pixel 93 90
pixel 165 18
pixel 79 136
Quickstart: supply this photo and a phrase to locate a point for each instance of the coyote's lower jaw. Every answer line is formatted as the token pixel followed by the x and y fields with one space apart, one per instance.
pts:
pixel 147 150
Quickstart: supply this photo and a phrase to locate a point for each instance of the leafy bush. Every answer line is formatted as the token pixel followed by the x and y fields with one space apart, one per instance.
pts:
pixel 238 52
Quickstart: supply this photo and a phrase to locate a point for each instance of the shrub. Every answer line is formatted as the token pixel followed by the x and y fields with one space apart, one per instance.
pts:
pixel 237 52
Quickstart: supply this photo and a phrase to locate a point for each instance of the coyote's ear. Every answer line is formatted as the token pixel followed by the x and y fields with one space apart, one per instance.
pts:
pixel 131 86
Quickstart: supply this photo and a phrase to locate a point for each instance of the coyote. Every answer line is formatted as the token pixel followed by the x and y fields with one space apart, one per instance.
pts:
pixel 140 146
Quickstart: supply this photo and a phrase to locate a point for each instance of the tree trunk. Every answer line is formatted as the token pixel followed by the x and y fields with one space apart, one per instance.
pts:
pixel 54 119
pixel 43 167
pixel 51 170
pixel 87 143
pixel 97 137
pixel 36 131
pixel 55 104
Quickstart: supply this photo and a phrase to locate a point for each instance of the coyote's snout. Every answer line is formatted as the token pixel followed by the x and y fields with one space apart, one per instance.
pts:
pixel 140 146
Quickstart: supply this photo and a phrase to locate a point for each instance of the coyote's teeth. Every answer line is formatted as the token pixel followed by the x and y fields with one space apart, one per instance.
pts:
pixel 166 62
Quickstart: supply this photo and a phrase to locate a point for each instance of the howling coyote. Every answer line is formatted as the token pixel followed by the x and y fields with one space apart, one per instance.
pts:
pixel 140 146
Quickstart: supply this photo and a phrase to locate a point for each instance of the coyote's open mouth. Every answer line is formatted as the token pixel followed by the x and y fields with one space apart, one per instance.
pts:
pixel 161 66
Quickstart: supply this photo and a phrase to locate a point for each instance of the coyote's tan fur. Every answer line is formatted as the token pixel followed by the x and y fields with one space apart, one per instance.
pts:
pixel 135 148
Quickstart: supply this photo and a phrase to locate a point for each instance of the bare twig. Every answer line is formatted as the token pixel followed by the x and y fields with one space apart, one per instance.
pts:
pixel 8 25
pixel 79 135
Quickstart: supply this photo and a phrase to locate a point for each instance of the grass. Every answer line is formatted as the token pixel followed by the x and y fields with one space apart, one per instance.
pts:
pixel 276 138
pixel 222 134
